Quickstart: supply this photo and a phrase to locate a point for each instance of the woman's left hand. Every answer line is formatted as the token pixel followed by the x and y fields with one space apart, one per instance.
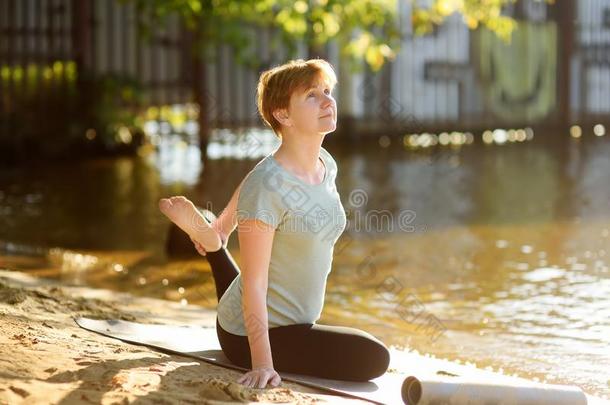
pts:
pixel 258 378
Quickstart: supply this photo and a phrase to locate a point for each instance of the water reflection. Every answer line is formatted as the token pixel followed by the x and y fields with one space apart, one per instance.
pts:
pixel 177 161
pixel 508 248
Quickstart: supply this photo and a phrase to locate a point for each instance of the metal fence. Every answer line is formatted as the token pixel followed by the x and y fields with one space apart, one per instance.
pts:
pixel 556 70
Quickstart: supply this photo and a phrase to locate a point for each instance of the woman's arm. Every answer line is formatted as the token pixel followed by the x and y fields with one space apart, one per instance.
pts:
pixel 227 220
pixel 255 243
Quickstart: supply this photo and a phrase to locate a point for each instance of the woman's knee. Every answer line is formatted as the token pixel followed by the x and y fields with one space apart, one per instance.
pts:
pixel 368 356
pixel 378 361
pixel 367 360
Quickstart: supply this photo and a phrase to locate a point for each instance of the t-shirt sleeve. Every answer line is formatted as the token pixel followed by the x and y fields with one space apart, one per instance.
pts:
pixel 258 199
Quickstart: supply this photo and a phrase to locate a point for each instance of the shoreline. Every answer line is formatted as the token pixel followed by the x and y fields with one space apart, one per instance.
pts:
pixel 47 358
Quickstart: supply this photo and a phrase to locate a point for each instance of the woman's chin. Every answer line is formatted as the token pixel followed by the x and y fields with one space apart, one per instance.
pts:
pixel 328 128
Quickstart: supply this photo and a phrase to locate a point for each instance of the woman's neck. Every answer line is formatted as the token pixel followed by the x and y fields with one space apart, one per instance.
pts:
pixel 300 155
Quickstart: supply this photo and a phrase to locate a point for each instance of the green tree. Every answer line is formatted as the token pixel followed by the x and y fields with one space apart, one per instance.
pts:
pixel 367 29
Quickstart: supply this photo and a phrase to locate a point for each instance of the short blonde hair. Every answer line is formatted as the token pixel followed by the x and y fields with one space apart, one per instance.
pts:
pixel 276 86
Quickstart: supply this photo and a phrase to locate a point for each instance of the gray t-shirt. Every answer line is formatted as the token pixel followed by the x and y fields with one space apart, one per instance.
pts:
pixel 308 219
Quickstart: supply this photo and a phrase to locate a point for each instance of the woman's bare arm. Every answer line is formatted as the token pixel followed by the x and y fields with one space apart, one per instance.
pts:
pixel 255 242
pixel 227 220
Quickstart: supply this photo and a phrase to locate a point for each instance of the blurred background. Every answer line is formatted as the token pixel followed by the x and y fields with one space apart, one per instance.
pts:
pixel 471 145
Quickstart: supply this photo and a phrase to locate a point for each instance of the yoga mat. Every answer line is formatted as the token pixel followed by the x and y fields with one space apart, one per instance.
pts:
pixel 426 384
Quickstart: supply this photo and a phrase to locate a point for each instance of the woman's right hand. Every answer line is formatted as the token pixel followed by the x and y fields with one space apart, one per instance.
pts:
pixel 259 377
pixel 223 238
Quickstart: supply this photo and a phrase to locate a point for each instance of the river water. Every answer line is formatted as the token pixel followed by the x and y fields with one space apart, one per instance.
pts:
pixel 493 255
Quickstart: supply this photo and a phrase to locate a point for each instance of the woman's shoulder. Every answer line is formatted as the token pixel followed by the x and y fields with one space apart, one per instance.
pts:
pixel 329 159
pixel 327 154
pixel 261 196
pixel 261 176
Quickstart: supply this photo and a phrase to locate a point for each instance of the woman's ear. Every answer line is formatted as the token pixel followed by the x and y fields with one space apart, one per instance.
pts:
pixel 281 115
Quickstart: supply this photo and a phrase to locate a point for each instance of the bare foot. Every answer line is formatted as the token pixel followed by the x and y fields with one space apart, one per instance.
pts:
pixel 185 215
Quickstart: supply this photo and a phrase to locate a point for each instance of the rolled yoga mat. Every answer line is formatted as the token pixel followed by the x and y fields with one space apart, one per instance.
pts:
pixel 426 384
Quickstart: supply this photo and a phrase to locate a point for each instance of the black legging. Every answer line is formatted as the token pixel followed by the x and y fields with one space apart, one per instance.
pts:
pixel 336 352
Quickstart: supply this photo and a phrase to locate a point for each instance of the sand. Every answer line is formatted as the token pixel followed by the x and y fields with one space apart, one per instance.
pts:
pixel 45 358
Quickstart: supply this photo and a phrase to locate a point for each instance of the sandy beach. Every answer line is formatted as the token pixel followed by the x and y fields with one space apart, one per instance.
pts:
pixel 46 358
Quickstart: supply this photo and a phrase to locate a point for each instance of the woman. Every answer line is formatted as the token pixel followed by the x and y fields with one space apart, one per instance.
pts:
pixel 288 216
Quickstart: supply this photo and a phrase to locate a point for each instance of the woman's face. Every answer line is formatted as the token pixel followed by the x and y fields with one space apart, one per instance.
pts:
pixel 313 110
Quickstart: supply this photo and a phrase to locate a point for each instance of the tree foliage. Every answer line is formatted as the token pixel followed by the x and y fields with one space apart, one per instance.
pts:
pixel 365 29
